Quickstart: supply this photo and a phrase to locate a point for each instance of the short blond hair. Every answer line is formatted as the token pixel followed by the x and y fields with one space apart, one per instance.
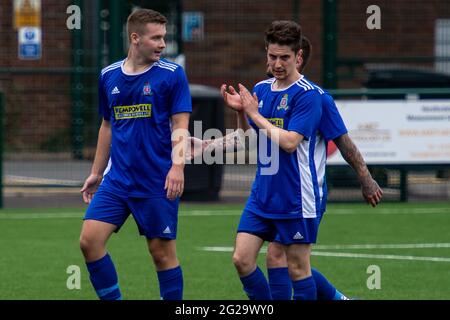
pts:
pixel 139 18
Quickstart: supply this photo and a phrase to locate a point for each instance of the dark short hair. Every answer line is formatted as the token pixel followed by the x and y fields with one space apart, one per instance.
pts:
pixel 139 18
pixel 306 52
pixel 284 32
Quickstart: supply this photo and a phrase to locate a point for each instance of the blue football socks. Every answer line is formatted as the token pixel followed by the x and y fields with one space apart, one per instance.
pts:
pixel 325 290
pixel 340 296
pixel 103 276
pixel 171 284
pixel 305 289
pixel 256 286
pixel 280 283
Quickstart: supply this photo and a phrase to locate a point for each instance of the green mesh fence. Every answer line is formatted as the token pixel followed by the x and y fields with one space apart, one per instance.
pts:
pixel 50 109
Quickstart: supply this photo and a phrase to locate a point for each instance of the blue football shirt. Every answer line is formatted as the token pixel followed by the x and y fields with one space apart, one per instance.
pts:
pixel 295 190
pixel 139 107
pixel 331 127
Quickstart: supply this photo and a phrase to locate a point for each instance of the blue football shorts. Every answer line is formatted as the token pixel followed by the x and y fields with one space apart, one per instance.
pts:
pixel 155 217
pixel 284 231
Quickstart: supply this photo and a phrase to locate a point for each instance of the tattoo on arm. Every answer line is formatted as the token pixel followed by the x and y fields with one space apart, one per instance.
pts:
pixel 369 187
pixel 353 157
pixel 232 142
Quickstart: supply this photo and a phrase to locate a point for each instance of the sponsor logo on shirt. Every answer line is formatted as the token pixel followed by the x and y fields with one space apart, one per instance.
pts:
pixel 284 103
pixel 133 111
pixel 277 122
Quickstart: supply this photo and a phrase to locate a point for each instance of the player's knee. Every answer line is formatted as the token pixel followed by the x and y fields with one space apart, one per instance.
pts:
pixel 242 263
pixel 276 257
pixel 163 253
pixel 161 258
pixel 84 244
pixel 299 271
pixel 87 244
pixel 276 260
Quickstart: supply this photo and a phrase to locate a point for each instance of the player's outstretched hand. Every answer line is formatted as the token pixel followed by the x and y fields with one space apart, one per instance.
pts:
pixel 174 182
pixel 372 192
pixel 90 187
pixel 231 97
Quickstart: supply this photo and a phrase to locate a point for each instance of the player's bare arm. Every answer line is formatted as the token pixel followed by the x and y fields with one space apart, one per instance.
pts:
pixel 238 140
pixel 232 142
pixel 175 178
pixel 370 189
pixel 287 140
pixel 100 162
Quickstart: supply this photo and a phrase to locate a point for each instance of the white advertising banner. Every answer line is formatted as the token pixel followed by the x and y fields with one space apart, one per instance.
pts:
pixel 397 132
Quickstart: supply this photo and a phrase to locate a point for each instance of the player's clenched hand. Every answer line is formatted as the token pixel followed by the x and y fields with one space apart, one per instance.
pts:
pixel 249 101
pixel 372 192
pixel 231 98
pixel 90 187
pixel 174 182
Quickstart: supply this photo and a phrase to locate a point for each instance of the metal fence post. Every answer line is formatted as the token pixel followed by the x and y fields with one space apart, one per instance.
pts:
pixel 295 10
pixel 77 91
pixel 329 44
pixel 1 148
pixel 116 12
pixel 404 185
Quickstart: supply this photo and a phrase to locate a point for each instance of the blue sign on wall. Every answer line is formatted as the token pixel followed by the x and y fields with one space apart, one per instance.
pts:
pixel 193 26
pixel 30 44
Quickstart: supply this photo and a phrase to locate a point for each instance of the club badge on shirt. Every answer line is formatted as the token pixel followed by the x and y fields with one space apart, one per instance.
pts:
pixel 284 103
pixel 147 90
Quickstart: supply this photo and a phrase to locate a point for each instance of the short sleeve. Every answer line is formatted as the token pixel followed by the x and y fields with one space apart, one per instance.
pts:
pixel 306 114
pixel 331 125
pixel 181 96
pixel 103 108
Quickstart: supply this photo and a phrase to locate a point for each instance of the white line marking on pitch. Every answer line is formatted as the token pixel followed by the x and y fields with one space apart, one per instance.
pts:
pixel 224 249
pixel 346 255
pixel 383 246
pixel 208 213
pixel 222 213
pixel 35 180
pixel 389 211
pixel 237 212
pixel 27 216
pixel 378 256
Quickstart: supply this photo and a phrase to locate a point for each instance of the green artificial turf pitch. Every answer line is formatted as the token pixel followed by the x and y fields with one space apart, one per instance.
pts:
pixel 409 244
